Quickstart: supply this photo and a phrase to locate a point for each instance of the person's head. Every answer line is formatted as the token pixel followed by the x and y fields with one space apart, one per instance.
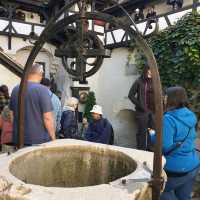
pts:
pixel 96 112
pixel 137 10
pixel 35 73
pixel 72 102
pixel 152 9
pixel 4 90
pixel 46 82
pixel 176 97
pixel 146 73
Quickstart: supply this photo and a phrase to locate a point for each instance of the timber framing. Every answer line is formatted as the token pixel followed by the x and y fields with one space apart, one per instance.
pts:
pixel 53 6
pixel 124 41
pixel 28 5
pixel 11 64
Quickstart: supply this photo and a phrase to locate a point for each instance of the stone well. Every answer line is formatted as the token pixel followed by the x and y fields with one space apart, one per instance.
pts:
pixel 74 170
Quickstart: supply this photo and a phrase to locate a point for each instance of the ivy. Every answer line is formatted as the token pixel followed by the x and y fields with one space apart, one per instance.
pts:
pixel 177 51
pixel 91 101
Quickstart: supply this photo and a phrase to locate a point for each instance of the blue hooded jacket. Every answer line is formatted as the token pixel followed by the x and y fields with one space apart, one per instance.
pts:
pixel 99 131
pixel 176 125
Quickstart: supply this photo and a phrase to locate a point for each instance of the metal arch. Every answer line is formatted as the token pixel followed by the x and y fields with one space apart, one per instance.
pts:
pixel 156 86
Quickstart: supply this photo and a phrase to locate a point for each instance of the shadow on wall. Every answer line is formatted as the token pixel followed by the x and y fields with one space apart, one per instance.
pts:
pixel 125 128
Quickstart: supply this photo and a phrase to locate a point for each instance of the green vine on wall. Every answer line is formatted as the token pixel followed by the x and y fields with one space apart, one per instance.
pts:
pixel 91 101
pixel 177 51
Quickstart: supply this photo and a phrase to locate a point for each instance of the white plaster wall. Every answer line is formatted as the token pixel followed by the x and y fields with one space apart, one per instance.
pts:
pixel 20 52
pixel 112 83
pixel 8 78
pixel 21 57
pixel 125 129
pixel 17 43
pixel 111 86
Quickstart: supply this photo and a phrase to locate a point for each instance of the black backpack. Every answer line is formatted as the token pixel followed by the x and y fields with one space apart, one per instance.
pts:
pixel 112 137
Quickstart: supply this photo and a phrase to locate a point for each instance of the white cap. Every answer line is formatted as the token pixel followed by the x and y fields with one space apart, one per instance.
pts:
pixel 137 10
pixel 97 109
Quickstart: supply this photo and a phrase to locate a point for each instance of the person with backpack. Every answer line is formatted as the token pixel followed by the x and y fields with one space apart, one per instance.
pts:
pixel 179 134
pixel 69 121
pixel 99 129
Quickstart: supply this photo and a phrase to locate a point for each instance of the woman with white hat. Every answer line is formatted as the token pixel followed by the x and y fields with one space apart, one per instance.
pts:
pixel 99 130
pixel 69 122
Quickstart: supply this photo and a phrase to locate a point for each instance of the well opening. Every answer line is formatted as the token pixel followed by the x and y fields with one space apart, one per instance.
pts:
pixel 71 166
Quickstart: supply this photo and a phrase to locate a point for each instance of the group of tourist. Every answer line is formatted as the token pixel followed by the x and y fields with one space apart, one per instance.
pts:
pixel 45 120
pixel 178 135
pixel 98 130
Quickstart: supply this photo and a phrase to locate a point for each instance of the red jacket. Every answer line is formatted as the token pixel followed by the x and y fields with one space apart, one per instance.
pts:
pixel 6 134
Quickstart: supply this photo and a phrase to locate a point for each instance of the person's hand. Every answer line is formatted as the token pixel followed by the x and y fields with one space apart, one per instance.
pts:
pixel 85 122
pixel 151 131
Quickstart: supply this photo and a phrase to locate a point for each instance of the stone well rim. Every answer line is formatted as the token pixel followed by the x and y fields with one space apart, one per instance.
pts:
pixel 70 142
pixel 82 150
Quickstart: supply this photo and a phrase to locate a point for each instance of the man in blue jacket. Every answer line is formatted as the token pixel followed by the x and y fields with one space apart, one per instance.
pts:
pixel 99 130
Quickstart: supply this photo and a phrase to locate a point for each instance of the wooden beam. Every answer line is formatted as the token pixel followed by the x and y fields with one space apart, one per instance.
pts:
pixel 11 64
pixel 89 53
pixel 29 3
pixel 128 5
pixel 165 15
pixel 167 20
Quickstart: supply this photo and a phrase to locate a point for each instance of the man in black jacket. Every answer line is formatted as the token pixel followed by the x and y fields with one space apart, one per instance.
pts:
pixel 141 94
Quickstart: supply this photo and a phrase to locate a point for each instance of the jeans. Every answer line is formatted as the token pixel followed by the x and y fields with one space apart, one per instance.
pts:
pixel 179 188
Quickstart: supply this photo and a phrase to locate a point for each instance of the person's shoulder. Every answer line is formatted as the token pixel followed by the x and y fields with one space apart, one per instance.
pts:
pixel 67 112
pixel 16 87
pixel 138 80
pixel 41 87
pixel 55 97
pixel 169 118
pixel 168 115
pixel 15 90
pixel 37 87
pixel 105 120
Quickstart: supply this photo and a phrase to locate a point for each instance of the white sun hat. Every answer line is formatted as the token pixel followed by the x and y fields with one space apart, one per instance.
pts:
pixel 97 109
